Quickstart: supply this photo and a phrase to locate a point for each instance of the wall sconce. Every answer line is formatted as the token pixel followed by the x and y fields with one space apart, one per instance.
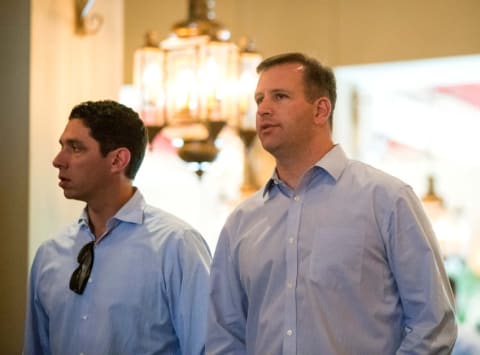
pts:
pixel 432 202
pixel 249 183
pixel 86 24
pixel 451 237
pixel 196 82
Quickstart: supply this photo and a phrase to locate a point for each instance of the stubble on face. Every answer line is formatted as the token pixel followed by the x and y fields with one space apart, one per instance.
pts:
pixel 82 168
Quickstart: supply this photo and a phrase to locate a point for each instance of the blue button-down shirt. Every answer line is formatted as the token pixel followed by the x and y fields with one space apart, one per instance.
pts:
pixel 345 264
pixel 147 292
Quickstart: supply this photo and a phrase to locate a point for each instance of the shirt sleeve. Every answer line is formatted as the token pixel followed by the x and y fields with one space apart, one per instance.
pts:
pixel 36 322
pixel 228 308
pixel 422 282
pixel 187 285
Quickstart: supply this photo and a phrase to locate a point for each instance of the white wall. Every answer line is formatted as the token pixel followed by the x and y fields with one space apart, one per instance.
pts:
pixel 66 69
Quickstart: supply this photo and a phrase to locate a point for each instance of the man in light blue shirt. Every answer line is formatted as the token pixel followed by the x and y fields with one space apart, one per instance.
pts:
pixel 332 256
pixel 126 278
pixel 468 339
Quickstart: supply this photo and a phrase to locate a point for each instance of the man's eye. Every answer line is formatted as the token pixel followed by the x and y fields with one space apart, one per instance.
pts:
pixel 280 96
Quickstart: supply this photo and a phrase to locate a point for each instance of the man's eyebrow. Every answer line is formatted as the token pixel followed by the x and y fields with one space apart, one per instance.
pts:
pixel 69 141
pixel 274 91
pixel 271 91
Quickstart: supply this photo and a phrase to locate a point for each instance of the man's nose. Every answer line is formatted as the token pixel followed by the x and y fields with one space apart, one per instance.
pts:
pixel 264 109
pixel 58 161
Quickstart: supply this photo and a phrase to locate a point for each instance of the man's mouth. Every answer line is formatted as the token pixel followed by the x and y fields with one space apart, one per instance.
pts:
pixel 266 127
pixel 63 181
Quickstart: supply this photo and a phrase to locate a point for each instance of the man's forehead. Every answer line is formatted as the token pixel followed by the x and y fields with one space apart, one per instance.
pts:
pixel 281 77
pixel 76 127
pixel 291 66
pixel 76 123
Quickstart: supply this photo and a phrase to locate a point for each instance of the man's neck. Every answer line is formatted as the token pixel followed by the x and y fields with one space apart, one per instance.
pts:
pixel 292 169
pixel 103 209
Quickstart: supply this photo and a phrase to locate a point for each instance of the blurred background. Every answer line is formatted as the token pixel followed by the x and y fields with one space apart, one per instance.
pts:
pixel 408 77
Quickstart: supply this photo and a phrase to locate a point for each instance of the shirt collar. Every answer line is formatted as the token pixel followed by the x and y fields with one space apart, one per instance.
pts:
pixel 268 188
pixel 131 212
pixel 333 163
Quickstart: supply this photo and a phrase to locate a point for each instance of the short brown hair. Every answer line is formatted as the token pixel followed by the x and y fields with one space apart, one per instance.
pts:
pixel 114 125
pixel 319 79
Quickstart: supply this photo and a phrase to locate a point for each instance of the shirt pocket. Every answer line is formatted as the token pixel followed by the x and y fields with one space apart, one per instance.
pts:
pixel 337 257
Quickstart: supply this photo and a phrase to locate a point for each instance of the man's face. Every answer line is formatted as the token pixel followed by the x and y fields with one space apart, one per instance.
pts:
pixel 82 170
pixel 284 116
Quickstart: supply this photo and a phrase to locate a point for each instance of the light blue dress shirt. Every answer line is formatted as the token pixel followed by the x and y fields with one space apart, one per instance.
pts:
pixel 345 264
pixel 468 340
pixel 147 292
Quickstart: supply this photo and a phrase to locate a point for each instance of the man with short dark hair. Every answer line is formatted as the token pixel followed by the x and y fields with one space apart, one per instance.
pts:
pixel 126 278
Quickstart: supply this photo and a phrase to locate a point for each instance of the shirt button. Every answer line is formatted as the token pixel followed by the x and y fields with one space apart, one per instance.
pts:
pixel 90 280
pixel 84 317
pixel 291 240
pixel 289 332
pixel 289 284
pixel 296 198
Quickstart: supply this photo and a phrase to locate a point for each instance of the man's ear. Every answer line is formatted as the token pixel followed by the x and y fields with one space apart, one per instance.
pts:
pixel 120 159
pixel 323 107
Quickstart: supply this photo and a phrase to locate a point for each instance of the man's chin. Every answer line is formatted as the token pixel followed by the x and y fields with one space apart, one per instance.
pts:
pixel 270 148
pixel 70 195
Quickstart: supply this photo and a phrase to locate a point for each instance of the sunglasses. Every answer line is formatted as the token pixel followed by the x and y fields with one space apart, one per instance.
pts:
pixel 80 276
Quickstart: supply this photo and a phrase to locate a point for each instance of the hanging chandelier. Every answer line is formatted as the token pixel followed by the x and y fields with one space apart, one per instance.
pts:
pixel 195 82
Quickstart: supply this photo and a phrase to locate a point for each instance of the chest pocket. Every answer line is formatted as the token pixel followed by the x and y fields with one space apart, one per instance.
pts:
pixel 337 257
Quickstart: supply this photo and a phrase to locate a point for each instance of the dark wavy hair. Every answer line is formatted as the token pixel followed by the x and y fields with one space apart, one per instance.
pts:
pixel 318 79
pixel 114 125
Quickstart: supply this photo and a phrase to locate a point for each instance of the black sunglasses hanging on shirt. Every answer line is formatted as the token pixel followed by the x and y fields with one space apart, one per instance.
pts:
pixel 79 278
